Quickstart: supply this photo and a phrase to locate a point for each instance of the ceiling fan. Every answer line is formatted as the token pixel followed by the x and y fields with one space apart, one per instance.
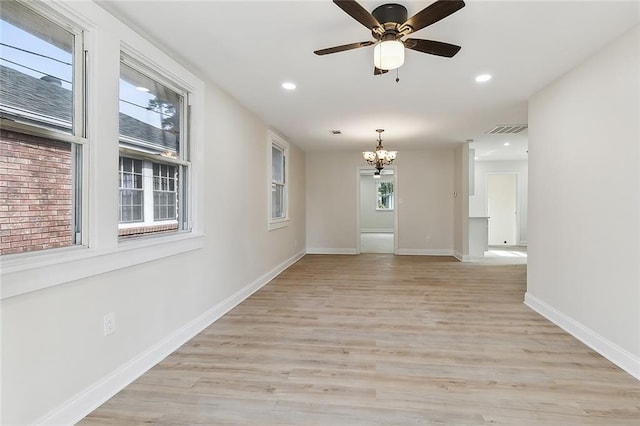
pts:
pixel 389 25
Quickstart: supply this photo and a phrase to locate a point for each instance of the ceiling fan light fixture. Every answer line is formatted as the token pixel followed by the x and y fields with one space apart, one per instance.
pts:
pixel 388 55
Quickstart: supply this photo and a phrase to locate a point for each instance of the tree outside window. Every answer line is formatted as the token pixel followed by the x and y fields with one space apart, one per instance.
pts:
pixel 384 191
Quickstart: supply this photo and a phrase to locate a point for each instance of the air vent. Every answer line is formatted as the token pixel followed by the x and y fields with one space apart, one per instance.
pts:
pixel 507 128
pixel 335 132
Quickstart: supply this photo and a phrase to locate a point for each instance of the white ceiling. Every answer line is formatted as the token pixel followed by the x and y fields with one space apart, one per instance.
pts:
pixel 501 147
pixel 250 48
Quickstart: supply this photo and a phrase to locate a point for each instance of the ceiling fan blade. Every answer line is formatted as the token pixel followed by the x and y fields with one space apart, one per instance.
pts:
pixel 342 48
pixel 433 13
pixel 378 71
pixel 357 12
pixel 433 47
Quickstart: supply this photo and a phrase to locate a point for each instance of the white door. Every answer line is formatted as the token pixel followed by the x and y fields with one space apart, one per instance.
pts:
pixel 502 194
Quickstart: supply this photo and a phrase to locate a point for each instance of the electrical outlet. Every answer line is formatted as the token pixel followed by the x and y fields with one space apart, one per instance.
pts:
pixel 109 323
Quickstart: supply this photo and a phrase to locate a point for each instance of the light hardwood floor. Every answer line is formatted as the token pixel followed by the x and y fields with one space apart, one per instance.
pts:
pixel 381 340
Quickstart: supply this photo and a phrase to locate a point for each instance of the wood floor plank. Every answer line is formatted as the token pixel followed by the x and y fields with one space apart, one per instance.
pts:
pixel 381 340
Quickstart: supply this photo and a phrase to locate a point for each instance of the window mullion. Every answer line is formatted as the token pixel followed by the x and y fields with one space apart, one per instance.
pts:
pixel 147 187
pixel 79 86
pixel 43 132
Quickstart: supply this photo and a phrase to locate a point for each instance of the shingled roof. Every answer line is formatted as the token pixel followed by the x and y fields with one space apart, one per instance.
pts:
pixel 51 102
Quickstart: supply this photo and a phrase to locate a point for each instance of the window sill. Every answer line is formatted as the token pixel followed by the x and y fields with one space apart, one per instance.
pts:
pixel 277 224
pixel 36 271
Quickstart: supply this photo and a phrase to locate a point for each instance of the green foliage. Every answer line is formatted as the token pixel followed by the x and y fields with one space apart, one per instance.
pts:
pixel 385 195
pixel 168 112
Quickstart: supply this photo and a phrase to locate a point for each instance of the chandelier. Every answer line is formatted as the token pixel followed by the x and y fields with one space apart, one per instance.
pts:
pixel 381 157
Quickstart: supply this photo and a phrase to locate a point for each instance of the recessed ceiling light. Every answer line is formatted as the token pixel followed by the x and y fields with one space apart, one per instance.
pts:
pixel 475 158
pixel 507 144
pixel 142 89
pixel 482 78
pixel 288 85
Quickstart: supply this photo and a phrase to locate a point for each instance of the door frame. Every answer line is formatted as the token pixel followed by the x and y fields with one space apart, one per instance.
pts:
pixel 396 203
pixel 517 200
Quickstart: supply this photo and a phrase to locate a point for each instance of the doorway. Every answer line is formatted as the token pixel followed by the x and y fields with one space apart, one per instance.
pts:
pixel 377 206
pixel 502 194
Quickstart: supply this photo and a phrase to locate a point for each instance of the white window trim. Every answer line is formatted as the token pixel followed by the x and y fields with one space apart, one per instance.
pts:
pixel 53 267
pixel 101 251
pixel 77 136
pixel 141 64
pixel 275 139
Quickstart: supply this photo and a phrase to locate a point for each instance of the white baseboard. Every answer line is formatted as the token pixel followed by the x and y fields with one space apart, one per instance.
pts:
pixel 462 257
pixel 331 251
pixel 424 252
pixel 376 230
pixel 614 353
pixel 401 252
pixel 82 404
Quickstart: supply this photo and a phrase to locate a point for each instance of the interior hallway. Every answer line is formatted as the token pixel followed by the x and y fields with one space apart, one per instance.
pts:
pixel 376 242
pixel 505 255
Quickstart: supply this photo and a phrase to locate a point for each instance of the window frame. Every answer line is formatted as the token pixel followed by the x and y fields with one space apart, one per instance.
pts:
pixel 171 180
pixel 181 162
pixel 274 140
pixel 121 173
pixel 77 138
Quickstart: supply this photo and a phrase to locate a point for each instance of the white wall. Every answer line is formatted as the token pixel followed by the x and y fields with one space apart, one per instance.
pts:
pixel 56 363
pixel 371 218
pixel 424 201
pixel 478 202
pixel 584 202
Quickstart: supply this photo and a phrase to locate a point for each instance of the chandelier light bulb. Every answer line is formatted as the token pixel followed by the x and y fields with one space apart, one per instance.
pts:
pixel 369 156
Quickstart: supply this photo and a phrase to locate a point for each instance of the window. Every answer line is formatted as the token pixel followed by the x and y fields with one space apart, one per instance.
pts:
pixel 384 198
pixel 131 192
pixel 153 153
pixel 278 193
pixel 164 192
pixel 42 136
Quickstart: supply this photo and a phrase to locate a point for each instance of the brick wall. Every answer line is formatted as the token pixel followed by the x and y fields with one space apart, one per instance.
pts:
pixel 35 193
